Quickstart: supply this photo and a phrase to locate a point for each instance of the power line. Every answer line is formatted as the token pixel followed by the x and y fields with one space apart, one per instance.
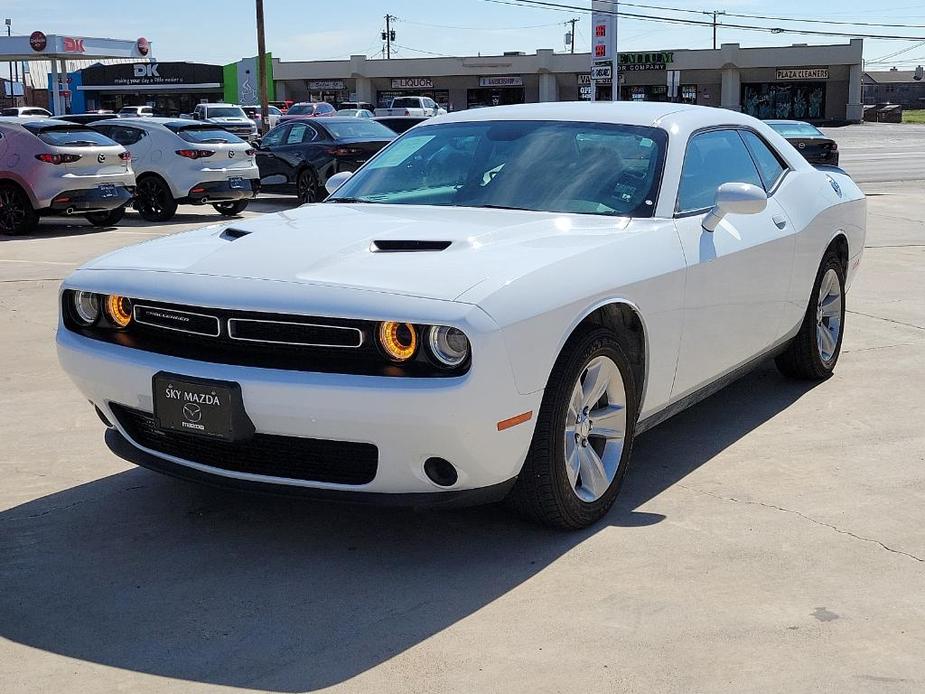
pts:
pixel 703 23
pixel 445 26
pixel 420 50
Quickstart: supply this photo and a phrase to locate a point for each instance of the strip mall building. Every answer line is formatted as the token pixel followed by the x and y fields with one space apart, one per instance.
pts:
pixel 817 83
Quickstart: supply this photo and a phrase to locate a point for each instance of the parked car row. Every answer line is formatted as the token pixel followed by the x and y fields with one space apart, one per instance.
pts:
pixel 55 167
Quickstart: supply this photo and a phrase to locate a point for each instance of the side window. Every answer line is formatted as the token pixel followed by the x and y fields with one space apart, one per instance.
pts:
pixel 297 134
pixel 713 158
pixel 769 164
pixel 429 103
pixel 275 136
pixel 310 134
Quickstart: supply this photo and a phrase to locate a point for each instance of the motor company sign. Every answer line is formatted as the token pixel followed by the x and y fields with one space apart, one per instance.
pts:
pixel 412 83
pixel 805 73
pixel 634 62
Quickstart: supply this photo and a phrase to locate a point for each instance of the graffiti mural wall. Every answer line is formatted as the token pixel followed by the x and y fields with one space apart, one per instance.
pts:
pixel 797 100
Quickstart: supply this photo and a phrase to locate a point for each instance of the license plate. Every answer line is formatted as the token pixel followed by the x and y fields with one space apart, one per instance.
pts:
pixel 200 407
pixel 107 190
pixel 237 182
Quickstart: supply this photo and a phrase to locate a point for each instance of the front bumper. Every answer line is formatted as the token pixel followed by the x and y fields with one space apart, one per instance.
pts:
pixel 223 191
pixel 408 419
pixel 90 200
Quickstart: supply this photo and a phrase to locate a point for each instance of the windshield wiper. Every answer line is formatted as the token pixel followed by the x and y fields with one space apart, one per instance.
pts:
pixel 79 143
pixel 498 207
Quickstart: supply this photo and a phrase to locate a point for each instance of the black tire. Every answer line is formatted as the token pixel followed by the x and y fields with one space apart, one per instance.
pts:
pixel 803 358
pixel 17 215
pixel 543 492
pixel 153 200
pixel 307 187
pixel 108 218
pixel 230 208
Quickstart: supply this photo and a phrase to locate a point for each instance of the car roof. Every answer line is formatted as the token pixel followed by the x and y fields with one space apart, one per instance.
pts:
pixel 159 120
pixel 32 120
pixel 624 112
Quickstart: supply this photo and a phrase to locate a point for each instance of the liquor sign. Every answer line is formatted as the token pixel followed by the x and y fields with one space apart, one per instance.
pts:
pixel 412 83
pixel 812 73
pixel 326 85
pixel 501 81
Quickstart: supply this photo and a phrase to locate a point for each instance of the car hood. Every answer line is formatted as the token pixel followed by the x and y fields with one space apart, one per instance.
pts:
pixel 342 245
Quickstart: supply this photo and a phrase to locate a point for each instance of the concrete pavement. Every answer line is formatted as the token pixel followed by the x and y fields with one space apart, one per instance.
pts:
pixel 769 539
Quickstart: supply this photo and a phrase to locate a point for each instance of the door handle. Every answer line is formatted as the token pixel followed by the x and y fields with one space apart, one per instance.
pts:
pixel 779 221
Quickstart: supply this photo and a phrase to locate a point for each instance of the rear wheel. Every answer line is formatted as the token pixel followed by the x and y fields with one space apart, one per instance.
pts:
pixel 106 219
pixel 813 353
pixel 307 187
pixel 153 200
pixel 583 437
pixel 230 209
pixel 16 213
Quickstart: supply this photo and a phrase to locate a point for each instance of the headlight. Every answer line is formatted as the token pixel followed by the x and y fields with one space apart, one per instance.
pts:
pixel 119 310
pixel 86 308
pixel 399 341
pixel 449 346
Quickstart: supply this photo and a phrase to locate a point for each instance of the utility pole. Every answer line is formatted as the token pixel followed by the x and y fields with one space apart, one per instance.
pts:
pixel 573 22
pixel 262 69
pixel 715 12
pixel 388 35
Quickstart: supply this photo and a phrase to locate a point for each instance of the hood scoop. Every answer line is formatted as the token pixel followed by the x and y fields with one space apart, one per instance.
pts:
pixel 409 246
pixel 232 234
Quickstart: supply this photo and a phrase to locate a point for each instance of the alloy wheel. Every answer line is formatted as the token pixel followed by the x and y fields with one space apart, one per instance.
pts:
pixel 595 429
pixel 12 209
pixel 150 196
pixel 828 316
pixel 306 188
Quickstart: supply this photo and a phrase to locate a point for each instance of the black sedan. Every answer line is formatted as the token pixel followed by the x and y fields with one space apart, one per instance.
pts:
pixel 298 157
pixel 815 147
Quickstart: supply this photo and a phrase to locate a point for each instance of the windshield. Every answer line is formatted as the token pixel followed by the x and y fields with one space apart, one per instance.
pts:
pixel 301 110
pixel 406 102
pixel 358 129
pixel 69 136
pixel 553 166
pixel 206 134
pixel 226 112
pixel 796 130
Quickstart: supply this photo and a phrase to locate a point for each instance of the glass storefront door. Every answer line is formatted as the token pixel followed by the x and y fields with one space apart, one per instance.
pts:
pixel 494 96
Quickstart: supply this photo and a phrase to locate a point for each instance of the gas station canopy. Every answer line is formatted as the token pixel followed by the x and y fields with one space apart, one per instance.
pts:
pixel 58 49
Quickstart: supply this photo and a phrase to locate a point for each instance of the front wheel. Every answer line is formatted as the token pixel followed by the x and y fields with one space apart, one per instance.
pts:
pixel 583 437
pixel 230 209
pixel 16 213
pixel 813 353
pixel 106 219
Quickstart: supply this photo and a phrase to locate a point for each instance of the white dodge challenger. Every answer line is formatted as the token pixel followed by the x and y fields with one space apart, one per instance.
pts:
pixel 493 306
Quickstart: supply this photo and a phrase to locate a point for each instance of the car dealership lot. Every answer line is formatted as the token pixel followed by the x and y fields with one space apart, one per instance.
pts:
pixel 769 539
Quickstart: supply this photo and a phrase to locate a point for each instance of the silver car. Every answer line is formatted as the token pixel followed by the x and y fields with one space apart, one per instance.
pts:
pixel 51 167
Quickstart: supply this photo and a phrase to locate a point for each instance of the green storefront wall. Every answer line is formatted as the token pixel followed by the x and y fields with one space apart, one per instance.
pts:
pixel 230 80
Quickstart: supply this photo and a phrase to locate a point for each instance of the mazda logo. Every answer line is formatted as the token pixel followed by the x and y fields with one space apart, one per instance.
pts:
pixel 192 412
pixel 101 158
pixel 231 154
pixel 802 145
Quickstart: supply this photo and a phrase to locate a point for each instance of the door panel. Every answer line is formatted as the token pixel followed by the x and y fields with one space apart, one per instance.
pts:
pixel 738 283
pixel 738 276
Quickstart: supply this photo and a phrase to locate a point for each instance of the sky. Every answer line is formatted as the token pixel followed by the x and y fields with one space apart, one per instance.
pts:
pixel 222 31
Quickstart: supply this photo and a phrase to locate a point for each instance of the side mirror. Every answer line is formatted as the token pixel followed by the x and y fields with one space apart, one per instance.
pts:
pixel 735 198
pixel 336 181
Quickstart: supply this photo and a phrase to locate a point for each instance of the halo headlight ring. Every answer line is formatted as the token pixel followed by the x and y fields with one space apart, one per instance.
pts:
pixel 86 308
pixel 448 346
pixel 119 310
pixel 398 341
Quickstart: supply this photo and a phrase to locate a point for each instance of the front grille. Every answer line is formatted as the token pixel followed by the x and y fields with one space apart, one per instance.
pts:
pixel 286 457
pixel 265 340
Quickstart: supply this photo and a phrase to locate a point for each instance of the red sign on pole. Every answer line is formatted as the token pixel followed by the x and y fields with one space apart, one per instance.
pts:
pixel 72 45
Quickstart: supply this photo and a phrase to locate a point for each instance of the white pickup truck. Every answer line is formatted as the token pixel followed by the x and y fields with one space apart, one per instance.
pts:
pixel 420 106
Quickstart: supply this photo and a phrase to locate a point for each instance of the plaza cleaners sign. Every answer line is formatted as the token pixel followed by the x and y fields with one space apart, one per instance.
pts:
pixel 808 73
